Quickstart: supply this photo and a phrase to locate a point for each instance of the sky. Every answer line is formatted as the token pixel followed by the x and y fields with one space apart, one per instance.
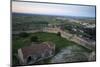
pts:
pixel 53 9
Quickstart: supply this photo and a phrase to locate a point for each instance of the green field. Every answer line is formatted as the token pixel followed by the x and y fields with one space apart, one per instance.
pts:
pixel 19 42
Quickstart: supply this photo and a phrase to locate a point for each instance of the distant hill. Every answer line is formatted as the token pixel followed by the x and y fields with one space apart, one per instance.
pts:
pixel 73 17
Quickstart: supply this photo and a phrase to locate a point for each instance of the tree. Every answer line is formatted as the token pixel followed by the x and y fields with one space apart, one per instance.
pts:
pixel 59 34
pixel 23 34
pixel 34 39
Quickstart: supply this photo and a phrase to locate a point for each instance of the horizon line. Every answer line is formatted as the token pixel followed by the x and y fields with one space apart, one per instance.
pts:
pixel 51 15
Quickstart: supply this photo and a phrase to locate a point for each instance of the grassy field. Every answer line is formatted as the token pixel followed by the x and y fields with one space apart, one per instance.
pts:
pixel 19 42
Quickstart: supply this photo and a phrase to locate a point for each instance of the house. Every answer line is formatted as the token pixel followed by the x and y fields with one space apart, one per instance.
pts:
pixel 36 52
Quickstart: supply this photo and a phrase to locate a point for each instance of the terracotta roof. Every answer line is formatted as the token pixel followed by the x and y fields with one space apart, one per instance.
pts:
pixel 36 49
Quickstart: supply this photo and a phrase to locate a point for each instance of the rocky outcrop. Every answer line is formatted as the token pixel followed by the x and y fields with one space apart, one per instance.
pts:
pixel 73 54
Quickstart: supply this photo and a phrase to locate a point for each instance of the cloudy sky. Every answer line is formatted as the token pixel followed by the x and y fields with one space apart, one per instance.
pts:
pixel 53 9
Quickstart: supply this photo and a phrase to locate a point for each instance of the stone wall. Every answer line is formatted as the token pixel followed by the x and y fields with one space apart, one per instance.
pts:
pixel 67 35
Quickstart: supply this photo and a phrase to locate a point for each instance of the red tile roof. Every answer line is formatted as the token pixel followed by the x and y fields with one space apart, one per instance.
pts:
pixel 36 49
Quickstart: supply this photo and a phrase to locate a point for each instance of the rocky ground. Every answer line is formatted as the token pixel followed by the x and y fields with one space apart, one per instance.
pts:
pixel 72 54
